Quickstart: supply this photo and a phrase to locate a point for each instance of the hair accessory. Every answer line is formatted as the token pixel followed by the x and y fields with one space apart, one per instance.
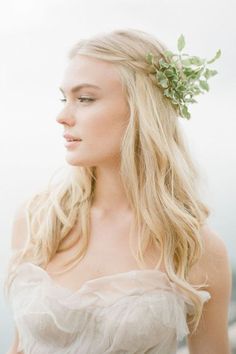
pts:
pixel 182 79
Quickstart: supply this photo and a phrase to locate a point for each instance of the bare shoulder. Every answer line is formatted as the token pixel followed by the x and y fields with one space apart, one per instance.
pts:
pixel 214 263
pixel 19 227
pixel 213 242
pixel 214 267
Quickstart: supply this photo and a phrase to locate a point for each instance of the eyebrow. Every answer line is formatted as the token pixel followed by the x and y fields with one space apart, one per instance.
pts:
pixel 78 87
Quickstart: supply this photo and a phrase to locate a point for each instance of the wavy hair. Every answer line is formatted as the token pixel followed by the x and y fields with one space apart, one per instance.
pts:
pixel 160 178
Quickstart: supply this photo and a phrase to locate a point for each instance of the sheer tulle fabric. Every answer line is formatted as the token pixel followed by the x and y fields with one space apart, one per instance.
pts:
pixel 139 311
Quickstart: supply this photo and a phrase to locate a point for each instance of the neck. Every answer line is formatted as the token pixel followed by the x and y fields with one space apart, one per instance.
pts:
pixel 109 194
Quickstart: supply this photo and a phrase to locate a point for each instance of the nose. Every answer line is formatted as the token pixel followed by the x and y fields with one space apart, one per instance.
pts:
pixel 66 117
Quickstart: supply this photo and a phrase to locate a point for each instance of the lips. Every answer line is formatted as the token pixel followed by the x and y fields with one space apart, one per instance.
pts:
pixel 69 137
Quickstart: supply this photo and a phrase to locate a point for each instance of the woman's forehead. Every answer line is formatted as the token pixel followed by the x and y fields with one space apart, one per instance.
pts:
pixel 90 72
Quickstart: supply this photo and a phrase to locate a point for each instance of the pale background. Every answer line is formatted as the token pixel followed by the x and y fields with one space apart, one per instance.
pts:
pixel 35 37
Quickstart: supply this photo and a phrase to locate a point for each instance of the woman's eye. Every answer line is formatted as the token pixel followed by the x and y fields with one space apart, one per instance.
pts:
pixel 85 99
pixel 81 99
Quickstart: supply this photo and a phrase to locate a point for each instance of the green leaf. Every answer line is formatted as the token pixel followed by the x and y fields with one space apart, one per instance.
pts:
pixel 169 54
pixel 187 71
pixel 198 91
pixel 163 64
pixel 196 73
pixel 190 100
pixel 169 73
pixel 149 58
pixel 184 112
pixel 197 61
pixel 176 95
pixel 204 85
pixel 173 68
pixel 209 73
pixel 162 79
pixel 175 81
pixel 181 88
pixel 164 83
pixel 199 72
pixel 160 76
pixel 167 93
pixel 218 54
pixel 181 42
pixel 186 62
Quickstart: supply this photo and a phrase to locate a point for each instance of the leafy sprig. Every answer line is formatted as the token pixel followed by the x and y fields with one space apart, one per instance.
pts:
pixel 182 76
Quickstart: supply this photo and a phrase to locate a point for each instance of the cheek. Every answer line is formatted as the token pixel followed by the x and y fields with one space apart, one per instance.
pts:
pixel 97 148
pixel 106 129
pixel 102 131
pixel 109 134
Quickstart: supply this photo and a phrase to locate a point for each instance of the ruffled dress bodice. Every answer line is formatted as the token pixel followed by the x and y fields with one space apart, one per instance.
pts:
pixel 140 311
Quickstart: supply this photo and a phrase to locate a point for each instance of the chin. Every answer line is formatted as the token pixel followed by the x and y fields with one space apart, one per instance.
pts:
pixel 77 162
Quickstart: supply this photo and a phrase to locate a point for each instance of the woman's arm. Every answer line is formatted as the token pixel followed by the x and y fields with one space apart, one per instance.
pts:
pixel 14 346
pixel 18 238
pixel 211 336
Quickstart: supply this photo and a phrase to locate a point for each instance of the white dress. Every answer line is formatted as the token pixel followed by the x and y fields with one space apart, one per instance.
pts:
pixel 139 311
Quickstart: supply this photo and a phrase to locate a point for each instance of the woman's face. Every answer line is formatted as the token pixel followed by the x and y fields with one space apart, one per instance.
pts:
pixel 96 114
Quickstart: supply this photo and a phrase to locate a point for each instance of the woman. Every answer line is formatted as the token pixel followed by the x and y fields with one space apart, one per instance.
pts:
pixel 117 257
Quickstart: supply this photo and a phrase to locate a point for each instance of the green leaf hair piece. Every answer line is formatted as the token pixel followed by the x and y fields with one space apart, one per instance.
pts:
pixel 181 76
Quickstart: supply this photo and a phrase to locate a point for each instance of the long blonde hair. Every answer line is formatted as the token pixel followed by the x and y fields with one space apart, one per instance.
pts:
pixel 159 176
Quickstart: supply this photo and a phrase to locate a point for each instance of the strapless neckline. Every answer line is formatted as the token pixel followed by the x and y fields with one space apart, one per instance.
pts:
pixel 97 284
pixel 137 311
pixel 100 279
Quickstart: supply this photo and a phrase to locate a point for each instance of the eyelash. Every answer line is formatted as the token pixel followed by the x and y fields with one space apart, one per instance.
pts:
pixel 83 98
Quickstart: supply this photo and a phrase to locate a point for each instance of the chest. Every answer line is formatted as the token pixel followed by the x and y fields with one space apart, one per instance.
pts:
pixel 111 244
pixel 134 313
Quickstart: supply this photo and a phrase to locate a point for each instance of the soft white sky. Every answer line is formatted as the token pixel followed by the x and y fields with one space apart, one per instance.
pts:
pixel 35 38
